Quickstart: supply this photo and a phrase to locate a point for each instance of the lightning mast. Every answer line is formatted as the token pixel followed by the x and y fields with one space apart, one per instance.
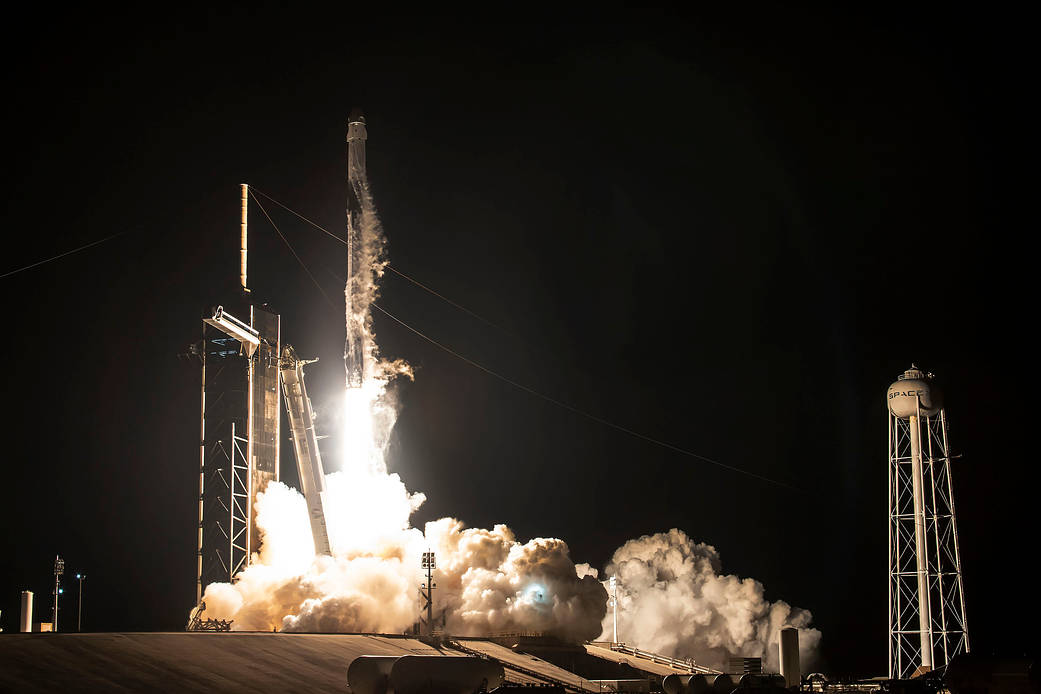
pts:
pixel 354 348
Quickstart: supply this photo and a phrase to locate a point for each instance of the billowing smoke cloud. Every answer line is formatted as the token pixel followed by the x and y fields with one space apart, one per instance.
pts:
pixel 493 584
pixel 674 599
pixel 487 581
pixel 288 588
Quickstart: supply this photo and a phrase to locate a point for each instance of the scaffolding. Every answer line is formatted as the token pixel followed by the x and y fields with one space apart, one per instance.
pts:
pixel 239 436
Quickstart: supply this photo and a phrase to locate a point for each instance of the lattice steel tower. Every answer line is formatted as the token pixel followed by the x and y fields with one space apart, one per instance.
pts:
pixel 927 625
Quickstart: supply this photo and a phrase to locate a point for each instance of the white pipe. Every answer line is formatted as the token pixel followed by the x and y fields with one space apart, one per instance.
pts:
pixel 243 244
pixel 921 551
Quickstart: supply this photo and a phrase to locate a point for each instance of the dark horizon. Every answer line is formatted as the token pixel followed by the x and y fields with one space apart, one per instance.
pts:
pixel 727 234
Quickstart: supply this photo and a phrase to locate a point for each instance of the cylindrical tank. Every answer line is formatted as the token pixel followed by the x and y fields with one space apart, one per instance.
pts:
pixel 26 623
pixel 761 682
pixel 369 674
pixel 788 645
pixel 914 393
pixel 697 684
pixel 414 674
pixel 723 684
pixel 675 684
pixel 753 680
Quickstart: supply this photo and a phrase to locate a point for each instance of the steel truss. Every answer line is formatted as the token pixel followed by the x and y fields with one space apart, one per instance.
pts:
pixel 927 624
pixel 241 511
pixel 239 438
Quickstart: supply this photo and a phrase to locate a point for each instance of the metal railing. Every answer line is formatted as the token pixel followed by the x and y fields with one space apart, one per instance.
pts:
pixel 680 664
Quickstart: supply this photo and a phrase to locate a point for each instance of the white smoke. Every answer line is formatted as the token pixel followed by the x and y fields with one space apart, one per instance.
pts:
pixel 362 289
pixel 288 587
pixel 491 583
pixel 674 599
pixel 487 581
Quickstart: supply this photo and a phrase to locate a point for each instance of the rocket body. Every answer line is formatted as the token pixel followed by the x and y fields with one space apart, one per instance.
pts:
pixel 358 275
pixel 356 136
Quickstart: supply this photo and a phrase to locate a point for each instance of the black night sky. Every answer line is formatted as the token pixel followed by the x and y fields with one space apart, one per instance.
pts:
pixel 727 233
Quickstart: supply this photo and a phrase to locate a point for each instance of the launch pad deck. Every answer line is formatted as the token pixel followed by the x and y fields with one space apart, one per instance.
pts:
pixel 227 662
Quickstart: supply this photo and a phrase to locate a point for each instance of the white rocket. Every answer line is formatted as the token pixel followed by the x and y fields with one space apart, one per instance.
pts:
pixel 357 274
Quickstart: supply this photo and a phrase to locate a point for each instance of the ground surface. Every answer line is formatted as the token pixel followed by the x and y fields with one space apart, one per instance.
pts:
pixel 183 662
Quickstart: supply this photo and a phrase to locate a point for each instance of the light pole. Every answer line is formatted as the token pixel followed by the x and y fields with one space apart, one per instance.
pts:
pixel 614 607
pixel 79 603
pixel 59 569
pixel 427 589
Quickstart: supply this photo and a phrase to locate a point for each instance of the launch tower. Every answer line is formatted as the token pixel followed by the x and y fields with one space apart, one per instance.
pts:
pixel 243 367
pixel 239 425
pixel 927 626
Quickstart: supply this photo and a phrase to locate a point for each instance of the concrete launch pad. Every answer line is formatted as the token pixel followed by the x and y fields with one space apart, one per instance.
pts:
pixel 227 662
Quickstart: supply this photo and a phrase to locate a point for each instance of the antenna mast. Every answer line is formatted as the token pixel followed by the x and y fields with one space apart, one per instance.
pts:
pixel 59 569
pixel 426 591
pixel 614 606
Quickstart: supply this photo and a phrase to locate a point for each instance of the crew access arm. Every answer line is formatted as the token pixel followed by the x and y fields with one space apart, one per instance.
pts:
pixel 305 445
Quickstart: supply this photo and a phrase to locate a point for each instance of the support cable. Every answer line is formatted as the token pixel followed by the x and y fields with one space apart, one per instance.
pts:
pixel 515 384
pixel 390 267
pixel 446 299
pixel 62 255
pixel 317 226
pixel 577 411
pixel 290 247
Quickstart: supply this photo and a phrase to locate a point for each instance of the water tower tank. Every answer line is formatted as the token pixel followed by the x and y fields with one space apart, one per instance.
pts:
pixel 914 393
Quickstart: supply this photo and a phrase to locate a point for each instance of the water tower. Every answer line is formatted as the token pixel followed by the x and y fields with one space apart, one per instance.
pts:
pixel 927 626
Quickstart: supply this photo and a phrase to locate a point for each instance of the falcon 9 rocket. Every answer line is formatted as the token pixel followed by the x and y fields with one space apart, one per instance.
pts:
pixel 355 349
